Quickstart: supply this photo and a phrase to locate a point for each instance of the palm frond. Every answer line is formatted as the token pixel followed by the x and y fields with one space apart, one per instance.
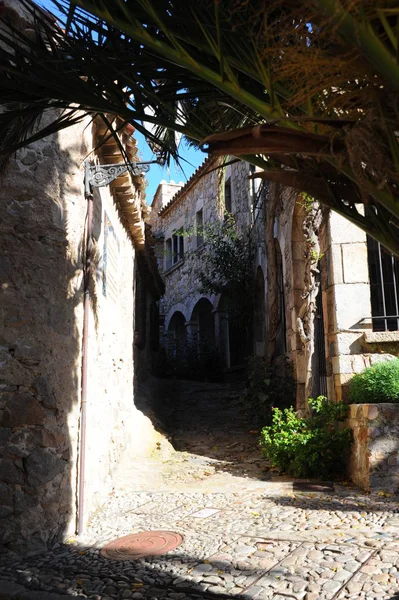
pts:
pixel 313 86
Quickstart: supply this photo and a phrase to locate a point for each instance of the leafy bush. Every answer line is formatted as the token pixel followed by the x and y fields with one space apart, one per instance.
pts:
pixel 267 386
pixel 376 384
pixel 313 446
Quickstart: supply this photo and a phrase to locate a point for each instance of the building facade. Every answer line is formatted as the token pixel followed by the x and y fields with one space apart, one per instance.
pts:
pixel 70 367
pixel 325 296
pixel 180 217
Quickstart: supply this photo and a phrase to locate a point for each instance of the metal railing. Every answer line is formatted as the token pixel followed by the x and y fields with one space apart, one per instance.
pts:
pixel 384 287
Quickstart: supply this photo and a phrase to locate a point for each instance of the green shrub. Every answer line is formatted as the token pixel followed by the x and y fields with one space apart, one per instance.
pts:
pixel 314 446
pixel 267 386
pixel 376 384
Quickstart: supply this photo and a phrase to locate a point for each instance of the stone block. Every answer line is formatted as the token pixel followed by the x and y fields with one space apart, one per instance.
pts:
pixel 345 378
pixel 348 343
pixel 373 432
pixel 352 305
pixel 380 337
pixel 335 273
pixel 372 412
pixel 384 445
pixel 343 231
pixel 355 263
pixel 42 466
pixel 13 372
pixel 9 473
pixel 342 365
pixel 53 439
pixel 40 386
pixel 23 409
pixel 26 352
pixel 50 401
pixel 352 411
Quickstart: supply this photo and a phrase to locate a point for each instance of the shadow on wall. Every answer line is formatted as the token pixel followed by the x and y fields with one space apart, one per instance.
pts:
pixel 42 227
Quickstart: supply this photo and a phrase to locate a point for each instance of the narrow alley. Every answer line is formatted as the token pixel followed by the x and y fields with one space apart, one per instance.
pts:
pixel 232 527
pixel 215 446
pixel 199 239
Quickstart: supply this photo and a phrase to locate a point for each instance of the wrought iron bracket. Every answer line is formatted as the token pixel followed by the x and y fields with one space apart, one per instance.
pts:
pixel 102 175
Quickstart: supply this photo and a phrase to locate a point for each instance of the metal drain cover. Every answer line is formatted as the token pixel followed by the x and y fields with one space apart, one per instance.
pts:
pixel 138 545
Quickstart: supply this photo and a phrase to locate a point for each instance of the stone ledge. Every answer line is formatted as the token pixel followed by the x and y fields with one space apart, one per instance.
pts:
pixel 374 457
pixel 380 337
pixel 174 267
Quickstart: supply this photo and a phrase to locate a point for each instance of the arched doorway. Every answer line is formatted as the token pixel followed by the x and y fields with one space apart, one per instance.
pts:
pixel 203 316
pixel 177 335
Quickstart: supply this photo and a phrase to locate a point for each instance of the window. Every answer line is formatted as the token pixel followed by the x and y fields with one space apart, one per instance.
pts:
pixel 168 254
pixel 199 226
pixel 384 287
pixel 174 249
pixel 178 246
pixel 227 195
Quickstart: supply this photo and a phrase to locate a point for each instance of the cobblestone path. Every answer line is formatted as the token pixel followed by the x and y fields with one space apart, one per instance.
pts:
pixel 268 540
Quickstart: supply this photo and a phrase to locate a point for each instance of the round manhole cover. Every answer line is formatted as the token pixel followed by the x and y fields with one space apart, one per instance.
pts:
pixel 138 545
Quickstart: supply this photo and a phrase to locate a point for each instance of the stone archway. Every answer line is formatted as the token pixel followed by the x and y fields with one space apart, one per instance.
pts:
pixel 176 333
pixel 179 307
pixel 203 317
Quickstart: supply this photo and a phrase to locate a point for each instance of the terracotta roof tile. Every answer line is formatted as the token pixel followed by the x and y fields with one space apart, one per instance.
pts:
pixel 208 162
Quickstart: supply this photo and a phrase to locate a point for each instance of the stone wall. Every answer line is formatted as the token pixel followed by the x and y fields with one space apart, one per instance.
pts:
pixel 374 459
pixel 202 192
pixel 351 345
pixel 41 277
pixel 41 245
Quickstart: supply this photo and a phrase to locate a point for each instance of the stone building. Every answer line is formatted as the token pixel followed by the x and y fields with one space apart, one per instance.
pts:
pixel 341 293
pixel 178 217
pixel 325 295
pixel 60 449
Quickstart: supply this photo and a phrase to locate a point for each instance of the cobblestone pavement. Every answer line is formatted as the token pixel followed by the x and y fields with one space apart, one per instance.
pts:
pixel 244 535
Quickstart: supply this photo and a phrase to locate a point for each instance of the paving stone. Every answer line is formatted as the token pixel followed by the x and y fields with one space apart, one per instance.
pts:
pixel 266 540
pixel 332 586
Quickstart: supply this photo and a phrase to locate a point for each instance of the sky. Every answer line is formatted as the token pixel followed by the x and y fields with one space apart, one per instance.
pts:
pixel 156 173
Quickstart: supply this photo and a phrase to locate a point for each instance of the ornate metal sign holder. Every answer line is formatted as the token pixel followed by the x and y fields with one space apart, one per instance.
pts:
pixel 102 175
